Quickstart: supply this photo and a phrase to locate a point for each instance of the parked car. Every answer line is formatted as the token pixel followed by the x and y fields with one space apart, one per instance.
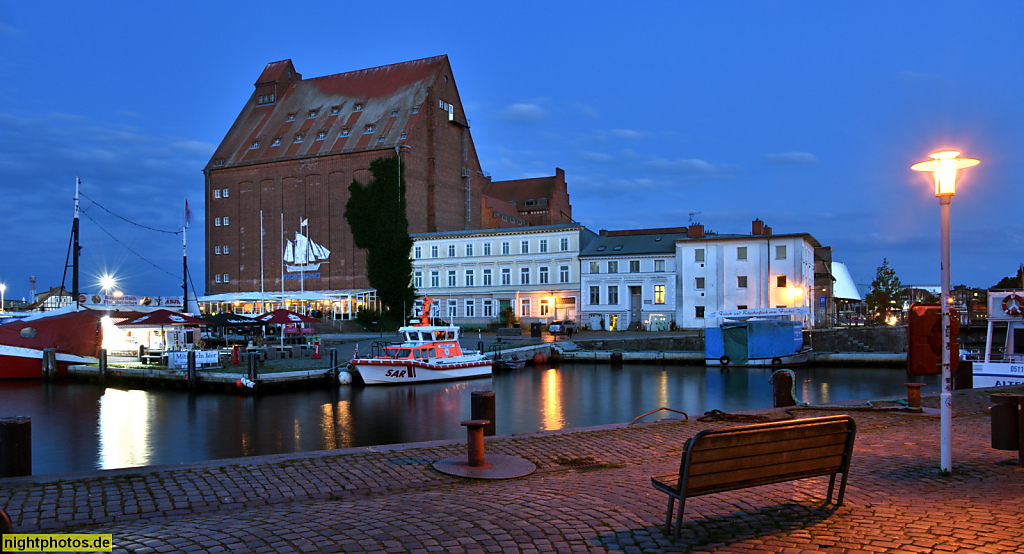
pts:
pixel 562 327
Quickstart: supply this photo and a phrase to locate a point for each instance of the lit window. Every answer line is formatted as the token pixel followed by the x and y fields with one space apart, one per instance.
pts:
pixel 595 267
pixel 780 281
pixel 544 309
pixel 524 307
pixel 659 294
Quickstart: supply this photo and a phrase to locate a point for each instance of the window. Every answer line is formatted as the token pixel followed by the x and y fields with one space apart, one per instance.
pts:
pixel 381 139
pixel 435 278
pixel 298 138
pixel 433 251
pixel 699 283
pixel 617 247
pixel 524 307
pixel 216 278
pixel 312 114
pixel 225 249
pixel 542 275
pixel 404 135
pixel 659 294
pixel 291 117
pixel 344 132
pixel 453 309
pixel 595 267
pixel 394 112
pixel 470 308
pixel 417 252
pixel 469 278
pixel 613 294
pixel 595 295
pixel 634 266
pixel 543 245
pixel 335 110
pixel 469 248
pixel 531 202
pixel 487 249
pixel 216 222
pixel 225 221
pixel 524 247
pixel 563 244
pixel 369 129
pixel 417 279
pixel 216 250
pixel 741 281
pixel 563 274
pixel 698 255
pixel 613 266
pixel 451 277
pixel 224 194
pixel 741 252
pixel 741 307
pixel 488 308
pixel 780 281
pixel 506 276
pixel 358 107
pixel 505 248
pixel 277 141
pixel 415 109
pixel 226 279
pixel 524 276
pixel 451 250
pixel 544 308
pixel 216 193
pixel 659 266
pixel 780 252
pixel 321 135
pixel 698 311
pixel 255 144
pixel 487 277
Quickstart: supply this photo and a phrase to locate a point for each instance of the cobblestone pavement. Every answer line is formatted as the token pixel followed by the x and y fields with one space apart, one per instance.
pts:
pixel 591 493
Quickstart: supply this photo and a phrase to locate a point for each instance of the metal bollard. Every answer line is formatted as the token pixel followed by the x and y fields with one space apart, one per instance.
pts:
pixel 914 396
pixel 190 365
pixel 782 389
pixel 253 371
pixel 475 441
pixel 103 365
pixel 482 407
pixel 15 446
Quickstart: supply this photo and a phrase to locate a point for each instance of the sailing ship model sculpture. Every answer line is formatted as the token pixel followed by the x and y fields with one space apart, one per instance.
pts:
pixel 304 254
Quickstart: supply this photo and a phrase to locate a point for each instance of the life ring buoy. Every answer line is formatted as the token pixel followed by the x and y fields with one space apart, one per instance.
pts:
pixel 1013 305
pixel 724 360
pixel 776 361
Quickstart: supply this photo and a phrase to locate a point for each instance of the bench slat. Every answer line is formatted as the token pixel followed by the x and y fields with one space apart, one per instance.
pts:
pixel 772 461
pixel 749 477
pixel 706 455
pixel 723 438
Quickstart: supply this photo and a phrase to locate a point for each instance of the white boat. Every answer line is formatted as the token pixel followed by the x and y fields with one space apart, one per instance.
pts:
pixel 426 353
pixel 1001 365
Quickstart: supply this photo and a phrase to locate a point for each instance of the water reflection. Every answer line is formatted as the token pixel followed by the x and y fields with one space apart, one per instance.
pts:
pixel 83 427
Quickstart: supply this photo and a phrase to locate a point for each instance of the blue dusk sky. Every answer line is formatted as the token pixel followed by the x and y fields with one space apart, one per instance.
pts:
pixel 807 115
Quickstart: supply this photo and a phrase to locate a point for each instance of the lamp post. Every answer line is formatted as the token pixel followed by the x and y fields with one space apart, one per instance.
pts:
pixel 107 283
pixel 943 166
pixel 3 290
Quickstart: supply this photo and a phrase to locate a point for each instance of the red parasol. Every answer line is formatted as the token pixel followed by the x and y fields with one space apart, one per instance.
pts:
pixel 283 317
pixel 161 318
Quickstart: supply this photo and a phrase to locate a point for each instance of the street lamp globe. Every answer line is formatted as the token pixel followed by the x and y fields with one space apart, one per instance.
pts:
pixel 944 165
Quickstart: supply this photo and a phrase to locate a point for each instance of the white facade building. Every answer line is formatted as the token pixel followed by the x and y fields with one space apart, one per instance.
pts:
pixel 477 275
pixel 630 278
pixel 730 272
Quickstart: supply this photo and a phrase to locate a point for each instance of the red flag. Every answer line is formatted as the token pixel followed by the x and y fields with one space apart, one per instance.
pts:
pixel 188 215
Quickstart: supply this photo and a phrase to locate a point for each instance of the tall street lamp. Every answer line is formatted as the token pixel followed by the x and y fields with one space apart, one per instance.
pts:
pixel 943 166
pixel 3 290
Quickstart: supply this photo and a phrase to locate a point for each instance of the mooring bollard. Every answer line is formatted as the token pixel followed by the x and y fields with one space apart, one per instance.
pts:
pixel 334 360
pixel 15 446
pixel 49 363
pixel 252 366
pixel 782 388
pixel 103 365
pixel 475 441
pixel 914 396
pixel 482 407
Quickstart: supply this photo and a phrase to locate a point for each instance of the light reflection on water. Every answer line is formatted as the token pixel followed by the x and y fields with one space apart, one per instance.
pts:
pixel 77 427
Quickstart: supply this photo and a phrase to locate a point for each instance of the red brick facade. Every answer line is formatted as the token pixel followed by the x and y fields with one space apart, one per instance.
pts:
pixel 345 121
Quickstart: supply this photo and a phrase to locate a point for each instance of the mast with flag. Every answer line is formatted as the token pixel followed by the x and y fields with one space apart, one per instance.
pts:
pixel 184 259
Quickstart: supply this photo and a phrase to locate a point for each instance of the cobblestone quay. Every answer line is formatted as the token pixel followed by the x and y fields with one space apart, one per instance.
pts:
pixel 591 493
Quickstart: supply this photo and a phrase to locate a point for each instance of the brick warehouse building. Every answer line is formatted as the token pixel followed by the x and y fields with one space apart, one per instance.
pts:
pixel 294 150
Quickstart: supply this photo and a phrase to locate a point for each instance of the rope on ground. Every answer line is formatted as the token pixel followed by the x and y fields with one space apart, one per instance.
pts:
pixel 719 415
pixel 657 410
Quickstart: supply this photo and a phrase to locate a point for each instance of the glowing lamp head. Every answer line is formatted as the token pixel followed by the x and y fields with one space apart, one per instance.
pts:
pixel 944 166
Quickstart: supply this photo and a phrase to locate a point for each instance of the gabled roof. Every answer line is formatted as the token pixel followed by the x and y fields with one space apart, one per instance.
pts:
pixel 632 245
pixel 368 103
pixel 521 190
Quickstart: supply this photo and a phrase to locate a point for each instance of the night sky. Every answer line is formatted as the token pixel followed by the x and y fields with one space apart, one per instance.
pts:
pixel 807 115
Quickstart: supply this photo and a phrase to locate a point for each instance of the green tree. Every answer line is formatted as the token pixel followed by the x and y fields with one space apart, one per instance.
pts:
pixel 376 214
pixel 885 292
pixel 1015 282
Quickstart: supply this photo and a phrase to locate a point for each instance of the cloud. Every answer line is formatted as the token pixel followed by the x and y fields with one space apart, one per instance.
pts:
pixel 627 134
pixel 684 167
pixel 596 157
pixel 8 30
pixel 588 111
pixel 523 113
pixel 791 158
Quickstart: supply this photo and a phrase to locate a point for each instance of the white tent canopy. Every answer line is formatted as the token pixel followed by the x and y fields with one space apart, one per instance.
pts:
pixel 843 288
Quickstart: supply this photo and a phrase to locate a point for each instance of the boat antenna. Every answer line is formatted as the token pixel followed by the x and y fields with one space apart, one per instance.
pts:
pixel 76 248
pixel 184 261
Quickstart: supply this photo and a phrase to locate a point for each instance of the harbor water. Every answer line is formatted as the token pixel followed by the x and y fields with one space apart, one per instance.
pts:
pixel 84 427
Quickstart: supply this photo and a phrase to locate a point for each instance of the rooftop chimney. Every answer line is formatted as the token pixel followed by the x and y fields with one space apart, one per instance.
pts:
pixel 695 231
pixel 757 227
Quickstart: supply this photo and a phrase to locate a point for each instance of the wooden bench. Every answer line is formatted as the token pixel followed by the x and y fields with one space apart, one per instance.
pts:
pixel 733 458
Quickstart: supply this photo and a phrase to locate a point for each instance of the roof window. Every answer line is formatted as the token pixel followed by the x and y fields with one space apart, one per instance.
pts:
pixel 298 138
pixel 291 117
pixel 405 135
pixel 657 239
pixel 277 142
pixel 218 161
pixel 369 129
pixel 531 202
pixel 344 132
pixel 335 110
pixel 255 144
pixel 415 109
pixel 601 248
pixel 321 135
pixel 381 139
pixel 617 247
pixel 394 112
pixel 312 114
pixel 359 107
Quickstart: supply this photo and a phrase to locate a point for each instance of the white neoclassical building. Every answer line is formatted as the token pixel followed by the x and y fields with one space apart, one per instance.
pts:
pixel 478 275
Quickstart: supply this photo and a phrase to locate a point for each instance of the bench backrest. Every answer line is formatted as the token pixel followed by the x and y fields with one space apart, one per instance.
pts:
pixel 733 458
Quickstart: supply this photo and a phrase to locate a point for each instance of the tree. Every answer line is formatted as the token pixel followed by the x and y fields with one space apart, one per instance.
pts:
pixel 1015 282
pixel 885 291
pixel 376 214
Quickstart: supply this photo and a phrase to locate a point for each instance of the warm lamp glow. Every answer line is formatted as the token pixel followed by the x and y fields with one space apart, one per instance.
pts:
pixel 944 166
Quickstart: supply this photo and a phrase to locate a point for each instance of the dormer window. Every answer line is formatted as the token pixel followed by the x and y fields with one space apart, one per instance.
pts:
pixel 344 132
pixel 335 110
pixel 369 129
pixel 415 109
pixel 381 139
pixel 394 112
pixel 219 162
pixel 277 142
pixel 312 114
pixel 601 248
pixel 617 247
pixel 291 117
pixel 530 202
pixel 298 138
pixel 255 144
pixel 359 107
pixel 405 135
pixel 321 135
pixel 542 202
